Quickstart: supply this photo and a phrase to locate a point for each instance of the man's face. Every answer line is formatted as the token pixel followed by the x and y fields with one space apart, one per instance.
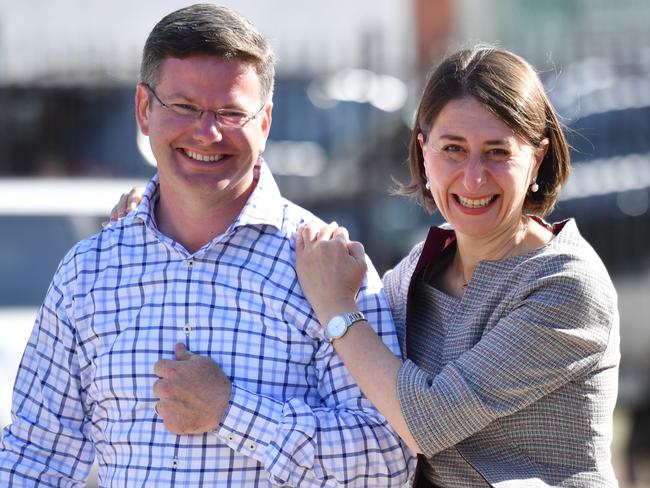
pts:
pixel 199 159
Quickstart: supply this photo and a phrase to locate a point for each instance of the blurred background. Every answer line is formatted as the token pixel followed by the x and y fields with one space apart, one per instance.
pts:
pixel 349 78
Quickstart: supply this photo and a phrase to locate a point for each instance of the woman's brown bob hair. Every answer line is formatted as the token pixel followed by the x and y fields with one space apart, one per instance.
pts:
pixel 511 89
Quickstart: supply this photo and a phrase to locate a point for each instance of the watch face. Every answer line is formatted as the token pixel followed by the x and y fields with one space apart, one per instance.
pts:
pixel 336 327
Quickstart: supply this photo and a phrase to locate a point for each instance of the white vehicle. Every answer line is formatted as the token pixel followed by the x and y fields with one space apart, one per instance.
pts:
pixel 40 220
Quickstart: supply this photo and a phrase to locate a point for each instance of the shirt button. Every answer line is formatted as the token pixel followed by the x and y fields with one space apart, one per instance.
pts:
pixel 252 446
pixel 230 437
pixel 187 328
pixel 190 262
pixel 174 463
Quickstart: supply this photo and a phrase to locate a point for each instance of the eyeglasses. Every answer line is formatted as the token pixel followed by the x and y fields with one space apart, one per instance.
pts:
pixel 226 118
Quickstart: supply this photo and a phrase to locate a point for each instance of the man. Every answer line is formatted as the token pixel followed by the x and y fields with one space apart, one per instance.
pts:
pixel 205 264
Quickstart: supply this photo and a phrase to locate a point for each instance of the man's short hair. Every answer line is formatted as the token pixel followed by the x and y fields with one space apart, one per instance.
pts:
pixel 208 30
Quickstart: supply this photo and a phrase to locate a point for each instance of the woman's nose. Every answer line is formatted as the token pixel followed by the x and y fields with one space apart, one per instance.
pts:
pixel 474 177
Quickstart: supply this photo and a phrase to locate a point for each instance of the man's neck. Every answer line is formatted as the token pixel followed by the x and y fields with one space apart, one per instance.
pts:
pixel 195 222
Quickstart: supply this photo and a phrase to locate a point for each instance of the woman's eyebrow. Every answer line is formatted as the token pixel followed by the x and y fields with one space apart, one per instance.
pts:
pixel 491 142
pixel 451 137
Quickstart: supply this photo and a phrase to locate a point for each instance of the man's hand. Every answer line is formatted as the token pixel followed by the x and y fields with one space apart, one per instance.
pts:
pixel 193 391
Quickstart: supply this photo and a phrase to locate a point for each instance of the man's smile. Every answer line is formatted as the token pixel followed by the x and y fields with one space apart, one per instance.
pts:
pixel 202 157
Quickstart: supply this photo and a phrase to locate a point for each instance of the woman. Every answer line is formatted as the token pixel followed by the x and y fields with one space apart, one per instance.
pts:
pixel 508 324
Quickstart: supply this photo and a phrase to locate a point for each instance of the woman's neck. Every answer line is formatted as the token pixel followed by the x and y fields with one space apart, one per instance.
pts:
pixel 522 237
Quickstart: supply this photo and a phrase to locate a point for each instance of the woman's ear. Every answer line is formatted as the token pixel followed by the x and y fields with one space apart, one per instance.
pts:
pixel 422 141
pixel 540 152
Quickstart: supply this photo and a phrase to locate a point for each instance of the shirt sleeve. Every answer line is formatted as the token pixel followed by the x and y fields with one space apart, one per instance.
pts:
pixel 344 441
pixel 45 444
pixel 553 335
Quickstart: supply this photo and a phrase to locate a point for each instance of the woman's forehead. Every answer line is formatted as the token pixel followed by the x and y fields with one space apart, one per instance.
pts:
pixel 468 118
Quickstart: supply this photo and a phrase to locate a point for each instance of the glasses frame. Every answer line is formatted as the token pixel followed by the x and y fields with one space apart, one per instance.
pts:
pixel 195 113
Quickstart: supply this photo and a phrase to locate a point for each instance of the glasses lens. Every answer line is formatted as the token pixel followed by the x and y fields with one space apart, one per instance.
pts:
pixel 184 110
pixel 231 119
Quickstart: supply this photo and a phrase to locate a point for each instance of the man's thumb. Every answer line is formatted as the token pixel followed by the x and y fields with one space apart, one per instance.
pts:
pixel 182 353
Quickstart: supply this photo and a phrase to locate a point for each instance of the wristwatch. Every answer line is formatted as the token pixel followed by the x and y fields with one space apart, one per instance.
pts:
pixel 339 324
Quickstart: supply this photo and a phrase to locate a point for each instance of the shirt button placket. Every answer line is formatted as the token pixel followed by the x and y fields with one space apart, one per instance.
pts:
pixel 187 330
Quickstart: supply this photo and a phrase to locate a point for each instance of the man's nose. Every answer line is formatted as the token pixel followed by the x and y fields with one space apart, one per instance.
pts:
pixel 207 129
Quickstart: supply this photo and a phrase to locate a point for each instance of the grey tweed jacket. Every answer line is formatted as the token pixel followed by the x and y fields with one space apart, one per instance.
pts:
pixel 514 384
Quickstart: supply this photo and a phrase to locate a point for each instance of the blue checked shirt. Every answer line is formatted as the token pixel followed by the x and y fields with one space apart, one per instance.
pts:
pixel 121 300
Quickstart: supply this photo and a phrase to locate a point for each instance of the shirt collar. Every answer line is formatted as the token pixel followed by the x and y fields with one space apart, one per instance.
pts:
pixel 147 206
pixel 264 207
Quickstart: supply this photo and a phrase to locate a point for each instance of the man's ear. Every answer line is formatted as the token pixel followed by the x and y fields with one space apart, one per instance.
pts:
pixel 142 108
pixel 267 118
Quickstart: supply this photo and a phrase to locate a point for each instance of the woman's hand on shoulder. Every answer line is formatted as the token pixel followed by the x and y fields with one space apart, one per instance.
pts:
pixel 330 268
pixel 127 202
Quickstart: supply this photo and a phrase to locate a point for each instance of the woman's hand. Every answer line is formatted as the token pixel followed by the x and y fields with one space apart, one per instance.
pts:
pixel 128 201
pixel 330 268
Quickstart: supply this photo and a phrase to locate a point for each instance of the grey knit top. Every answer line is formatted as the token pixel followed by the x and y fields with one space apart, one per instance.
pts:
pixel 514 384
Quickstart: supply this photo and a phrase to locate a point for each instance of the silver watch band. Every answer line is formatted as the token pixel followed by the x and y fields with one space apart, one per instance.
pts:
pixel 339 324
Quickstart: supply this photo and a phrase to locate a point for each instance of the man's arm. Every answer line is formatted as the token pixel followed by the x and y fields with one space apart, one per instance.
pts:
pixel 45 445
pixel 344 441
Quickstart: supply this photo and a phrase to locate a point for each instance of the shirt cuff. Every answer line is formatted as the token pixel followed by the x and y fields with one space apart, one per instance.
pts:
pixel 249 423
pixel 278 435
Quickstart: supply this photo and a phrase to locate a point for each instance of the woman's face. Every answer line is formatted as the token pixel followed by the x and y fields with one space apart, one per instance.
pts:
pixel 478 169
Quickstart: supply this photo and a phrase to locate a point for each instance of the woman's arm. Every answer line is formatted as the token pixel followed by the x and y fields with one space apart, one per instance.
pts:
pixel 372 365
pixel 563 323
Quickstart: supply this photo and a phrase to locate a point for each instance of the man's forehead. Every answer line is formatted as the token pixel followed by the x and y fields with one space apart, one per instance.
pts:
pixel 210 74
pixel 208 62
